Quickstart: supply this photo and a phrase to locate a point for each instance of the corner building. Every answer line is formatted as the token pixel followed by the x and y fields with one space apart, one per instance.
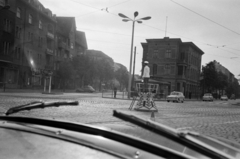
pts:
pixel 176 63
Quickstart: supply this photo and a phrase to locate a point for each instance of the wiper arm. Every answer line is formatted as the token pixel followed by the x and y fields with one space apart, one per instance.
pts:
pixel 39 104
pixel 185 138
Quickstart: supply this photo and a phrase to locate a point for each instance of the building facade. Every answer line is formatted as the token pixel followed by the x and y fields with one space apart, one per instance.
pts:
pixel 33 42
pixel 176 63
pixel 9 68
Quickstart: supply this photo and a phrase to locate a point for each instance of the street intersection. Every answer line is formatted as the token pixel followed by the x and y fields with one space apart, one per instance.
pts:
pixel 218 118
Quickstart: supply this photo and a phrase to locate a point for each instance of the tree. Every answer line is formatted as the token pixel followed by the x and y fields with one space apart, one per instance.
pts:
pixel 210 77
pixel 122 76
pixel 82 66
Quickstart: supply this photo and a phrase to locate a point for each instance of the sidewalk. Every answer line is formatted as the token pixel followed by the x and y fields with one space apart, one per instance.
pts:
pixel 35 90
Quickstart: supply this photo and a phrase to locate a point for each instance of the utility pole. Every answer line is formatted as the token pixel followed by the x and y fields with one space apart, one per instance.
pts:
pixel 134 59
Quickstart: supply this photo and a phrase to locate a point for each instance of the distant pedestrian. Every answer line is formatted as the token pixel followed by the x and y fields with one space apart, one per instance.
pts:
pixel 146 74
pixel 115 91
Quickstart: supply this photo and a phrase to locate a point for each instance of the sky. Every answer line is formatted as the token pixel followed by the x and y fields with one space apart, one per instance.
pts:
pixel 212 25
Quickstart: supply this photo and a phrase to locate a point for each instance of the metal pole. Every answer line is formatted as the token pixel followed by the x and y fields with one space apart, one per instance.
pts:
pixel 50 81
pixel 44 84
pixel 130 67
pixel 134 65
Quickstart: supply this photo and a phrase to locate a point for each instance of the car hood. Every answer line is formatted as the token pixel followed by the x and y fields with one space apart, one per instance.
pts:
pixel 34 131
pixel 22 136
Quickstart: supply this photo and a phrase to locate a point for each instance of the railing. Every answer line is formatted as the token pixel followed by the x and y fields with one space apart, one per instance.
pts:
pixel 49 51
pixel 124 95
pixel 50 35
pixel 63 45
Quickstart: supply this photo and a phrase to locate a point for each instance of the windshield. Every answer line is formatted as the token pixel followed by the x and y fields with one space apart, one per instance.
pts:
pixel 175 93
pixel 123 55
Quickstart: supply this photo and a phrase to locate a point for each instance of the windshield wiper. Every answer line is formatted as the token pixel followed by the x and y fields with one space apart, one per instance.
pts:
pixel 39 104
pixel 192 140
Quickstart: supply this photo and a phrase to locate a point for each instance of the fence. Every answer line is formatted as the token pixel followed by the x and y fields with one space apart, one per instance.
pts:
pixel 124 95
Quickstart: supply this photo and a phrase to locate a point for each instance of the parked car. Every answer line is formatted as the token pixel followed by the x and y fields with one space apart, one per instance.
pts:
pixel 88 89
pixel 207 97
pixel 176 97
pixel 224 97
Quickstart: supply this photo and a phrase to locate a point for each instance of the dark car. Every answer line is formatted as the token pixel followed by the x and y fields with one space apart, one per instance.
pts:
pixel 87 89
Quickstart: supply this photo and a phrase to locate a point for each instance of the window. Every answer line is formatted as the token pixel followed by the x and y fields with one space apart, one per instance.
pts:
pixel 7 25
pixel 31 37
pixel 40 24
pixel 155 69
pixel 167 69
pixel 172 71
pixel 161 70
pixel 40 7
pixel 18 32
pixel 18 12
pixel 40 41
pixel 155 54
pixel 17 53
pixel 30 19
pixel 72 45
pixel 6 48
pixel 168 53
pixel 180 70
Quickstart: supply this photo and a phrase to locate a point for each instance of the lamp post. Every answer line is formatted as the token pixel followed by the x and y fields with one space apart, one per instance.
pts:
pixel 126 19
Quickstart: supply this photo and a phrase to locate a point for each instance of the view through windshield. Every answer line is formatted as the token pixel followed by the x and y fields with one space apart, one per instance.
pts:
pixel 125 55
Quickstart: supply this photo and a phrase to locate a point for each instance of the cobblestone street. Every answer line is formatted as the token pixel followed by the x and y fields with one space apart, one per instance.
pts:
pixel 218 118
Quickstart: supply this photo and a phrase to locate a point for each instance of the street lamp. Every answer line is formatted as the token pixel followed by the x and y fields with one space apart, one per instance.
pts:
pixel 126 19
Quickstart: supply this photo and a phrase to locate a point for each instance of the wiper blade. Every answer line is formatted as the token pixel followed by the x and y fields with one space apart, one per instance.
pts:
pixel 186 138
pixel 39 104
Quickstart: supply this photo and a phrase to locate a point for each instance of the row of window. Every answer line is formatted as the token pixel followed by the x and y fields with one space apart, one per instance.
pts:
pixel 163 69
pixel 170 69
pixel 164 53
pixel 16 53
pixel 30 18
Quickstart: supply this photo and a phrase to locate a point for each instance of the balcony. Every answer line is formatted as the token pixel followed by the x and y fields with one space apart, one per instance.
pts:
pixel 63 45
pixel 7 59
pixel 49 67
pixel 50 35
pixel 49 51
pixel 59 58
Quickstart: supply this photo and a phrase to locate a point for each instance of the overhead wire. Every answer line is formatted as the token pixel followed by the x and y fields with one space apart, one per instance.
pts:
pixel 205 17
pixel 215 46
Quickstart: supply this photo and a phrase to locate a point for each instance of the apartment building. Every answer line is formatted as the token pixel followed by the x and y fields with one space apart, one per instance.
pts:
pixel 8 69
pixel 175 64
pixel 33 42
pixel 33 45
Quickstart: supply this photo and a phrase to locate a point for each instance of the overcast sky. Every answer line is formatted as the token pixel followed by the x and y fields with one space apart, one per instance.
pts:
pixel 212 25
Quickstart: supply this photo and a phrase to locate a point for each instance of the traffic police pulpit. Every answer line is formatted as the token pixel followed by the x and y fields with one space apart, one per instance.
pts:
pixel 144 97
